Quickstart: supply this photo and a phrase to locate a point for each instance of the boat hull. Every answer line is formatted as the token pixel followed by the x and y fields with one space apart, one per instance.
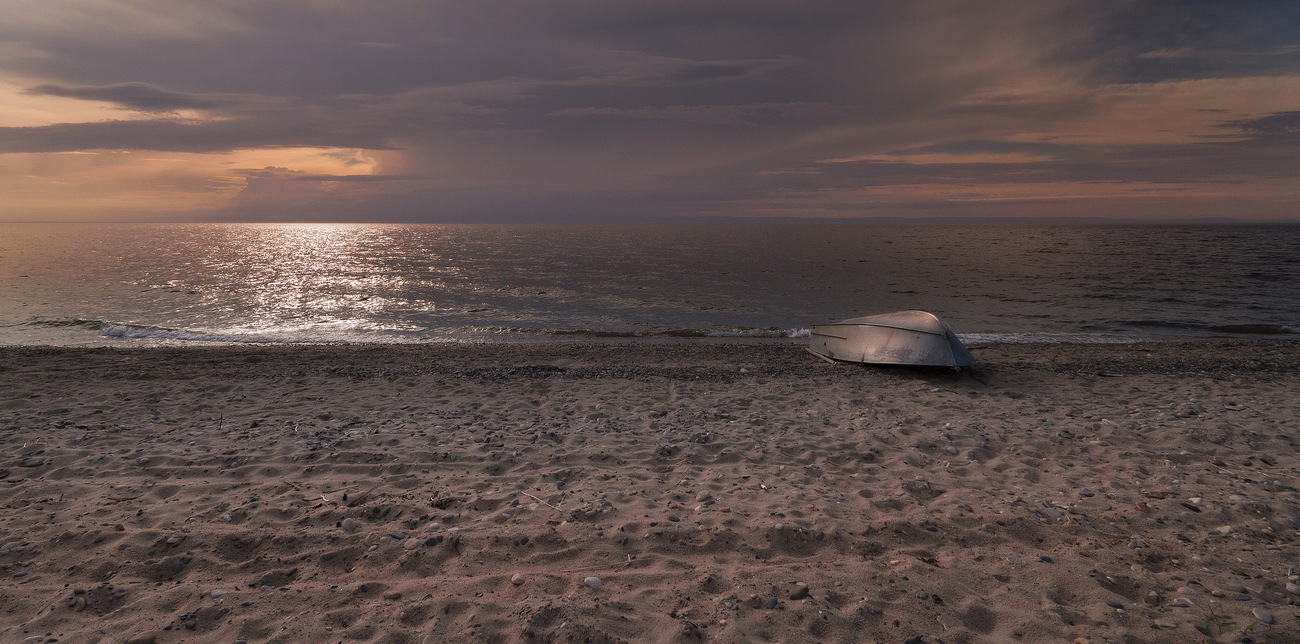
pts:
pixel 888 345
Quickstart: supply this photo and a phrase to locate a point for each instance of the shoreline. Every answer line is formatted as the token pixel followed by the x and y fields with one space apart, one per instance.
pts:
pixel 721 492
pixel 79 333
pixel 1227 355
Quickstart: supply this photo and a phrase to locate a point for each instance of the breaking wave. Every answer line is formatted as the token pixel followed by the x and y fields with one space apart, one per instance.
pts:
pixel 131 331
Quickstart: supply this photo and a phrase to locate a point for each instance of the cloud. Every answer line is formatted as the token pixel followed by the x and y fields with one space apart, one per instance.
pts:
pixel 1283 126
pixel 1157 40
pixel 136 96
pixel 510 108
pixel 732 115
pixel 992 168
pixel 180 136
pixel 287 174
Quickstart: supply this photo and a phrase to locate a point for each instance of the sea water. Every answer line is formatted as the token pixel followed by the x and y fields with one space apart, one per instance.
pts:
pixel 76 284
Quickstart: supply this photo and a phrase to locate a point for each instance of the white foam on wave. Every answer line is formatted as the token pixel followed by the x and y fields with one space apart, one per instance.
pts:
pixel 131 331
pixel 332 332
pixel 759 333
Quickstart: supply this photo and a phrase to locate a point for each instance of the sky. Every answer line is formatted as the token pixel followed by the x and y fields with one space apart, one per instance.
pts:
pixel 592 110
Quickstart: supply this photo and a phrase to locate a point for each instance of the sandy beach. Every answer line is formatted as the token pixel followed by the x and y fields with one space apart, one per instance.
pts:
pixel 648 493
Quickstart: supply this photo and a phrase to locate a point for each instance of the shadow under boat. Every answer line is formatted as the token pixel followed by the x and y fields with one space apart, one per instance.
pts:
pixel 901 338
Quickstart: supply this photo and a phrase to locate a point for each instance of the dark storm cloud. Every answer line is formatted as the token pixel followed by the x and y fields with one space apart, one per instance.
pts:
pixel 136 96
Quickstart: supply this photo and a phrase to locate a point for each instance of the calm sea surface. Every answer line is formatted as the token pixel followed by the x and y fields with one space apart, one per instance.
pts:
pixel 72 284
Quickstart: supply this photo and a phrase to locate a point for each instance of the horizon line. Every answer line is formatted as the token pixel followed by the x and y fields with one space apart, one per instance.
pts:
pixel 721 220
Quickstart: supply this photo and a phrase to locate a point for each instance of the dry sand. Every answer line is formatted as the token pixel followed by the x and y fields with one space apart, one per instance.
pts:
pixel 713 492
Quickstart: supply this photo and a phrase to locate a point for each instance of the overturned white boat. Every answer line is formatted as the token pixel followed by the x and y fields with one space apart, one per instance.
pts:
pixel 900 338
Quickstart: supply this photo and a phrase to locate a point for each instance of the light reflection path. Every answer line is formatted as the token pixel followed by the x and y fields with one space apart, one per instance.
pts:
pixel 294 278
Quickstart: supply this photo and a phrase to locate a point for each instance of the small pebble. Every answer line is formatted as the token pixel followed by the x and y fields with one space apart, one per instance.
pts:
pixel 1114 604
pixel 594 582
pixel 1263 615
pixel 349 525
pixel 517 579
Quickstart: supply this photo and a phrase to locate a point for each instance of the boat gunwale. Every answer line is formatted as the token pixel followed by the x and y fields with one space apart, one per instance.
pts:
pixel 813 330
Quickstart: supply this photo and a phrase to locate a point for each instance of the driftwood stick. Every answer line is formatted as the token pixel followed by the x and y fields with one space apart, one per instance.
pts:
pixel 362 497
pixel 820 356
pixel 541 500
